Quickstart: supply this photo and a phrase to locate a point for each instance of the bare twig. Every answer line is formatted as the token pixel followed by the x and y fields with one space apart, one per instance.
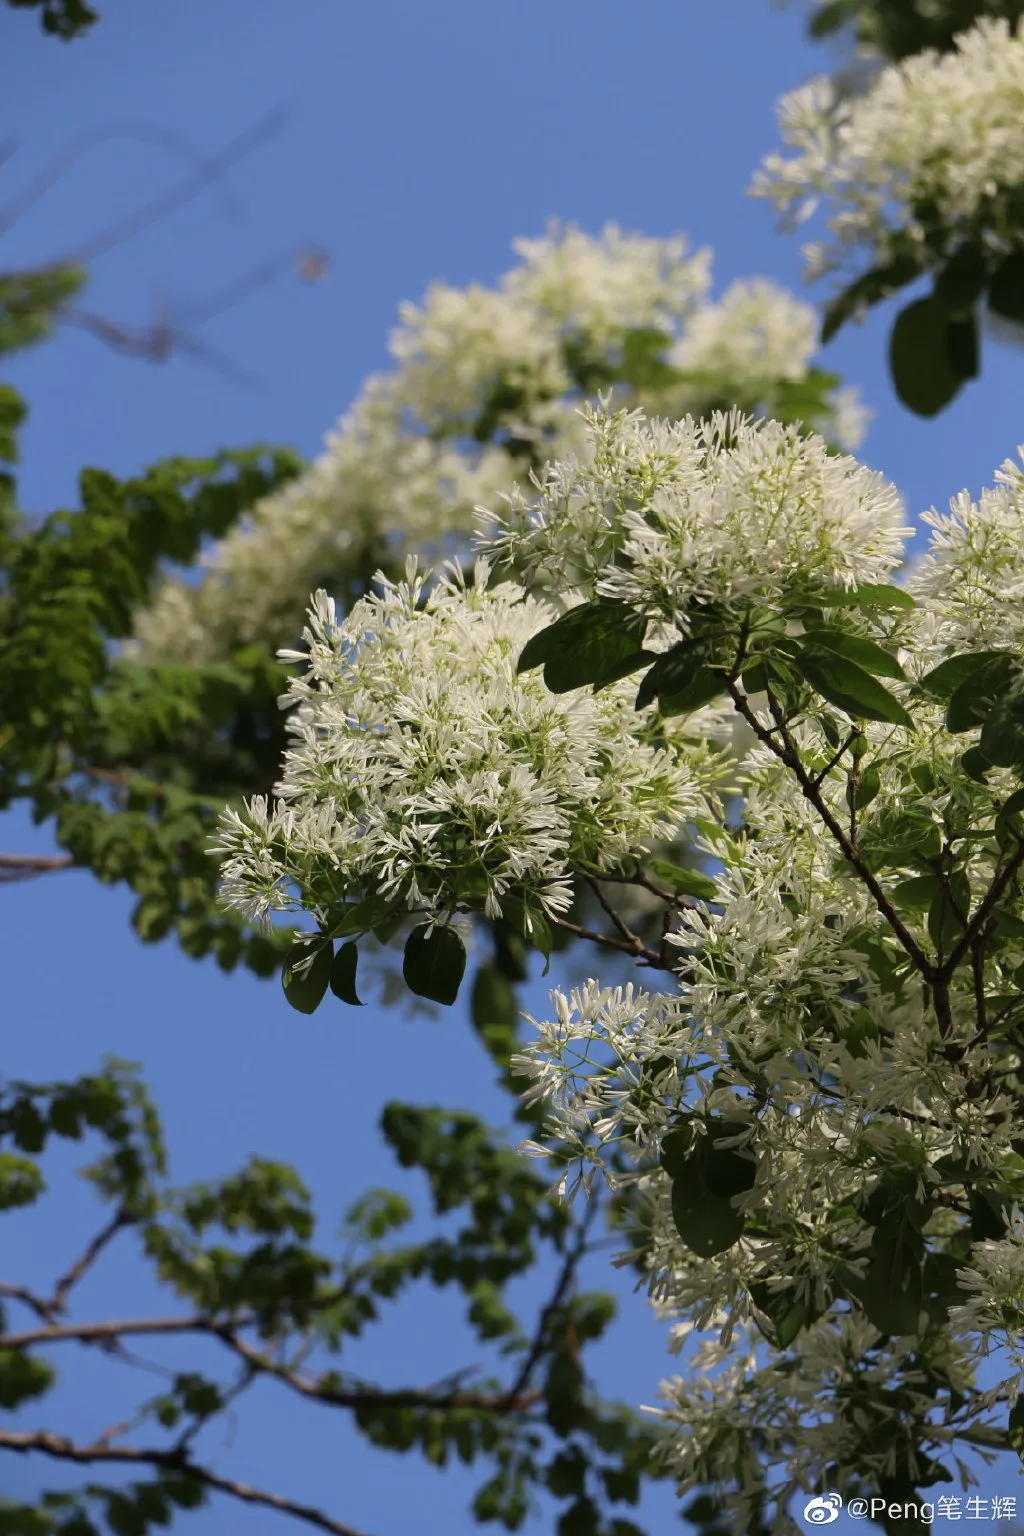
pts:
pixel 786 752
pixel 105 1332
pixel 985 910
pixel 85 1260
pixel 177 196
pixel 25 866
pixel 109 1333
pixel 563 1284
pixel 628 947
pixel 61 1449
pixel 37 1304
pixel 364 1395
pixel 57 168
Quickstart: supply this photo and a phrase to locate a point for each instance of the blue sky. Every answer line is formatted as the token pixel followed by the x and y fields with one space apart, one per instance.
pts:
pixel 421 139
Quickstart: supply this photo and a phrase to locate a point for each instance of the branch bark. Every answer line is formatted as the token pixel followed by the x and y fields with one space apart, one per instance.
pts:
pixel 61 1449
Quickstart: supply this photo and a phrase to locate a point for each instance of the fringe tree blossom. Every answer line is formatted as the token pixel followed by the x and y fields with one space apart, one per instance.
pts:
pixel 934 141
pixel 665 515
pixel 812 1127
pixel 486 386
pixel 424 771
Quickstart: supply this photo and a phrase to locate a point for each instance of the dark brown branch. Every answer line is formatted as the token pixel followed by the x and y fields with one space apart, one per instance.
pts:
pixel 364 1395
pixel 986 908
pixel 176 197
pixel 627 947
pixel 25 866
pixel 108 1333
pixel 819 778
pixel 99 1333
pixel 785 751
pixel 61 1449
pixel 57 168
pixel 566 1277
pixel 86 1259
pixel 28 1298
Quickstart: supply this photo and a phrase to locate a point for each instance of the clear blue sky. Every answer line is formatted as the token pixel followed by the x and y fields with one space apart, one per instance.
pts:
pixel 421 140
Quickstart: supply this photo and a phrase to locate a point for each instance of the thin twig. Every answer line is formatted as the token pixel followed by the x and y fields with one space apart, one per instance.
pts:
pixel 363 1395
pixel 985 909
pixel 637 949
pixel 29 1299
pixel 566 1276
pixel 785 751
pixel 175 197
pixel 109 1333
pixel 61 1449
pixel 25 866
pixel 57 168
pixel 87 1258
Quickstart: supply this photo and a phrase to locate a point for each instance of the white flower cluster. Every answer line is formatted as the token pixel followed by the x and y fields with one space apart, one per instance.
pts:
pixel 404 468
pixel 664 515
pixel 798 1035
pixel 970 580
pixel 860 1113
pixel 422 768
pixel 935 137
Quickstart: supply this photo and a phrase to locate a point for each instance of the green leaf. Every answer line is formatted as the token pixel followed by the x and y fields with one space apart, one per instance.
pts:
pixel 434 963
pixel 785 1315
pixel 1002 735
pixel 495 1011
pixel 1006 290
pixel 948 912
pixel 726 1170
pixel 21 1181
pixel 925 376
pixel 590 645
pixel 343 975
pixel 960 283
pixel 975 764
pixel 891 1290
pixel 868 785
pixel 869 596
pixel 1015 1427
pixel 864 652
pixel 688 882
pixel 962 345
pixel 945 679
pixel 364 916
pixel 848 686
pixel 673 671
pixel 706 1223
pixel 22 1376
pixel 868 289
pixel 705 686
pixel 915 895
pixel 306 974
pixel 676 1148
pixel 988 1215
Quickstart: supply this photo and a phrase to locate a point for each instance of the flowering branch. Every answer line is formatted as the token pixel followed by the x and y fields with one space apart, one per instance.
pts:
pixel 785 751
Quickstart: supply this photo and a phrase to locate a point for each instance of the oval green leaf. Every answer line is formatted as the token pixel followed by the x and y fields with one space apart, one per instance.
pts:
pixel 434 963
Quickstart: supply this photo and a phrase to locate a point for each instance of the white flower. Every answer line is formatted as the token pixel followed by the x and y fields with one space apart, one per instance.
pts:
pixel 938 131
pixel 720 511
pixel 484 384
pixel 424 769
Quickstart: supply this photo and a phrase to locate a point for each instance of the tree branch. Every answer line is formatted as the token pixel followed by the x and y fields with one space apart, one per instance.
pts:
pixel 566 1276
pixel 984 912
pixel 25 866
pixel 628 947
pixel 61 1449
pixel 88 1257
pixel 787 754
